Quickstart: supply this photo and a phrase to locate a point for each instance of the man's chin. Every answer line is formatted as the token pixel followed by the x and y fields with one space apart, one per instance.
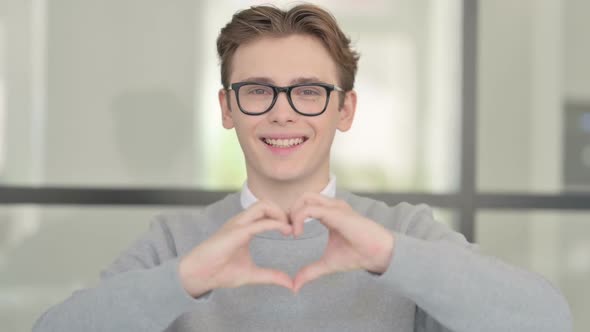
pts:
pixel 285 177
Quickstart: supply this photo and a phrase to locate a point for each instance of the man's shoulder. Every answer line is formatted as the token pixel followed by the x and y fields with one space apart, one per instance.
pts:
pixel 199 219
pixel 392 214
pixel 369 204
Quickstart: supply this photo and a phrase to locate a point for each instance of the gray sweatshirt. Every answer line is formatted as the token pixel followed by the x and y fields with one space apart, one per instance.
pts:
pixel 436 281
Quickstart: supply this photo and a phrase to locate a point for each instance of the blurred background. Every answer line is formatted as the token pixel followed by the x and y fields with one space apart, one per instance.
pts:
pixel 109 116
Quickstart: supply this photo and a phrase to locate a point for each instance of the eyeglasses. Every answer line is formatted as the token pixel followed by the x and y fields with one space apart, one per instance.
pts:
pixel 309 99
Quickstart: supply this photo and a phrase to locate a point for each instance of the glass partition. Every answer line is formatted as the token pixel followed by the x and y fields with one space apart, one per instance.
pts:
pixel 48 252
pixel 117 94
pixel 552 243
pixel 533 96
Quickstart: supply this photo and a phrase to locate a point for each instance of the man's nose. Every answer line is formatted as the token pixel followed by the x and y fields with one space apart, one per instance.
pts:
pixel 282 112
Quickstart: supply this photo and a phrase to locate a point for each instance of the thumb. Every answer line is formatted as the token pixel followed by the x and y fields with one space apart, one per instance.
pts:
pixel 309 273
pixel 270 276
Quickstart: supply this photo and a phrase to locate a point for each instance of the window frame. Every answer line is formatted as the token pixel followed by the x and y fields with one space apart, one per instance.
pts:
pixel 467 201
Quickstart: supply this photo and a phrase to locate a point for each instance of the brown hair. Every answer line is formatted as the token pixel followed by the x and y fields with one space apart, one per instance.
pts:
pixel 308 19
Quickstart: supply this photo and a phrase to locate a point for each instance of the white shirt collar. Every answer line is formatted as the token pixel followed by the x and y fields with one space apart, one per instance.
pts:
pixel 247 198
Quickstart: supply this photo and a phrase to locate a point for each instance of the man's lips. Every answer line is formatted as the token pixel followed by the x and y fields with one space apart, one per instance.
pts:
pixel 283 142
pixel 283 136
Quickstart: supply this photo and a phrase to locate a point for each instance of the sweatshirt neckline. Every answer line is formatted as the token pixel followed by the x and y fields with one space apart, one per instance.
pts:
pixel 311 229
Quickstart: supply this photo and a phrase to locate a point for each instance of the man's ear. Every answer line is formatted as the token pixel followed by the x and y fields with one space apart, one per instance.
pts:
pixel 226 116
pixel 347 111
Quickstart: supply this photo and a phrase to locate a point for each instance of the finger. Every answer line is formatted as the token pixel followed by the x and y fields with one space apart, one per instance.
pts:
pixel 295 212
pixel 263 226
pixel 262 209
pixel 333 218
pixel 298 218
pixel 310 211
pixel 310 198
pixel 309 273
pixel 269 276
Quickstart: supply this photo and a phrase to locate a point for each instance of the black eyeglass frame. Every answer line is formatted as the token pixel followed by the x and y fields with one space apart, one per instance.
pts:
pixel 287 90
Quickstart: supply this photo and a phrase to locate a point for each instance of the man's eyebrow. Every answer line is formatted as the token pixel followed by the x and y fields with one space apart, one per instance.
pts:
pixel 298 80
pixel 308 79
pixel 259 79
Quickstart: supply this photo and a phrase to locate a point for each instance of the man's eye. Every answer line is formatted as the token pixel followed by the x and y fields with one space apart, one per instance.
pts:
pixel 309 92
pixel 258 91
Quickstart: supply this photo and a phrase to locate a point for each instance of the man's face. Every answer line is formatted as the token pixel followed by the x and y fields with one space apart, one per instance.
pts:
pixel 301 148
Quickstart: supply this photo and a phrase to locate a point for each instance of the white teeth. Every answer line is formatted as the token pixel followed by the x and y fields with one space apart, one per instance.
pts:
pixel 284 143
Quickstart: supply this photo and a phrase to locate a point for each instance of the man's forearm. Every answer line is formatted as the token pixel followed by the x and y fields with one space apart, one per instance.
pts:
pixel 138 300
pixel 466 291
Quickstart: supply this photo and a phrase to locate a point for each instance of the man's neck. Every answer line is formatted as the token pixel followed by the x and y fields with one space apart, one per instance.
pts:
pixel 285 193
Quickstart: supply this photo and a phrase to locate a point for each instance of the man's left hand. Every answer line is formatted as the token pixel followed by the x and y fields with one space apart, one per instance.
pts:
pixel 354 242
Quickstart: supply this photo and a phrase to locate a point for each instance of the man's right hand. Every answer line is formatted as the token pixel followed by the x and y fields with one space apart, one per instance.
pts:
pixel 224 261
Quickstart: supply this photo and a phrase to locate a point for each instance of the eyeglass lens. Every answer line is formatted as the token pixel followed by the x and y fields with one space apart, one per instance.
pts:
pixel 306 99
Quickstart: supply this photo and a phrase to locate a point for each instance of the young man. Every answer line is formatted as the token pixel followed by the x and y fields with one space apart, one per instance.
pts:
pixel 290 252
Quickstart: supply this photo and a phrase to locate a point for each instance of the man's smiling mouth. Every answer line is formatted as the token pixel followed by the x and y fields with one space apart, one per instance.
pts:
pixel 284 142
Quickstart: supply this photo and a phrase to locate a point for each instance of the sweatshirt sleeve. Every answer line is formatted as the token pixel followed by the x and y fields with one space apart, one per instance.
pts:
pixel 140 291
pixel 456 288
